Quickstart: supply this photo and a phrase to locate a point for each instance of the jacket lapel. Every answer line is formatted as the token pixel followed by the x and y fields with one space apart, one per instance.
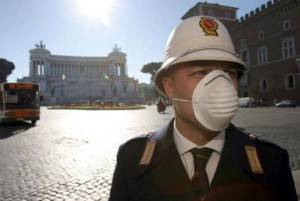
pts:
pixel 166 171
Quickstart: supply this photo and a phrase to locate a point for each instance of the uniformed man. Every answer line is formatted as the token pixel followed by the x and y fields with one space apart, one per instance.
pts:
pixel 199 155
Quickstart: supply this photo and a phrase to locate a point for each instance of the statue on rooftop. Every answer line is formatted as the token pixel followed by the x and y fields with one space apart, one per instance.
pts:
pixel 116 48
pixel 40 45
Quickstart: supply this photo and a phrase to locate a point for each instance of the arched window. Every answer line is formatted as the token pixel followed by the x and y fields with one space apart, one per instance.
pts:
pixel 261 35
pixel 1 102
pixel 290 81
pixel 286 25
pixel 243 43
pixel 245 56
pixel 262 55
pixel 288 47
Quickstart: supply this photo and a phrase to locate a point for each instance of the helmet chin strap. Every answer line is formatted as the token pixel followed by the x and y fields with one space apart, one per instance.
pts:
pixel 182 100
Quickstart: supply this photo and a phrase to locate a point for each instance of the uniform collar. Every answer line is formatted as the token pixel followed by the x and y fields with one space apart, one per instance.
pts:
pixel 184 145
pixel 232 163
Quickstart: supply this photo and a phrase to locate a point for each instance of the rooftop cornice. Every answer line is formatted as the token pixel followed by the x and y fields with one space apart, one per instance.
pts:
pixel 266 11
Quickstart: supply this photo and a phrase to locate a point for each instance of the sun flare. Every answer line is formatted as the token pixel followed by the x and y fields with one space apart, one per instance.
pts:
pixel 96 10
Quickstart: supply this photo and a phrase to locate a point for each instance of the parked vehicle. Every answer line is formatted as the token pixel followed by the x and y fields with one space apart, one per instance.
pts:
pixel 19 102
pixel 286 103
pixel 246 102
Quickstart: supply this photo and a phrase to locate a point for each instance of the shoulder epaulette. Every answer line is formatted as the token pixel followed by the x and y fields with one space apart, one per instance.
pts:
pixel 148 151
pixel 253 159
pixel 252 155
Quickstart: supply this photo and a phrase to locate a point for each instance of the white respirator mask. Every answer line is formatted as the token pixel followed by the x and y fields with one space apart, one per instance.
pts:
pixel 214 100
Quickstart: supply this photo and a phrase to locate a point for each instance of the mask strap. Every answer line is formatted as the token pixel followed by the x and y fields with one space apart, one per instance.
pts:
pixel 181 100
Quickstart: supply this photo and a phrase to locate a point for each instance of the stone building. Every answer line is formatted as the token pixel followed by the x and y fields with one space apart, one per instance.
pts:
pixel 226 14
pixel 69 79
pixel 268 40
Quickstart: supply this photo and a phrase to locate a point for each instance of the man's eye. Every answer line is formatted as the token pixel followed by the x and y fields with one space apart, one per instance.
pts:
pixel 231 73
pixel 200 73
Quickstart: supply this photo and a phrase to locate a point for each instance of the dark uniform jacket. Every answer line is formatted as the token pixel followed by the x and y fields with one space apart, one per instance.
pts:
pixel 164 178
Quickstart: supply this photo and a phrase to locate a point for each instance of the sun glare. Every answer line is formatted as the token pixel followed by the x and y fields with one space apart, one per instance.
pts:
pixel 96 10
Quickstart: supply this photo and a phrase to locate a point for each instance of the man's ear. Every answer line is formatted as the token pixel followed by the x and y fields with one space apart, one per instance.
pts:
pixel 168 86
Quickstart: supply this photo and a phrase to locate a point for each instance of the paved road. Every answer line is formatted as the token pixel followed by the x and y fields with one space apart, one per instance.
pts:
pixel 70 154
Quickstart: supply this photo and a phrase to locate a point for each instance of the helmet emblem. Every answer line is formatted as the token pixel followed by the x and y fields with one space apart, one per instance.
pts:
pixel 209 26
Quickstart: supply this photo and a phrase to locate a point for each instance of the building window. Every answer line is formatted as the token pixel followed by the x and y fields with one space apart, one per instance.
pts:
pixel 298 66
pixel 245 56
pixel 261 35
pixel 227 15
pixel 290 81
pixel 288 47
pixel 263 86
pixel 210 12
pixel 286 25
pixel 1 102
pixel 243 43
pixel 262 55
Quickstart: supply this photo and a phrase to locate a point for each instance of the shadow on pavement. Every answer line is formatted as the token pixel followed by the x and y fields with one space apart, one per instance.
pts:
pixel 10 129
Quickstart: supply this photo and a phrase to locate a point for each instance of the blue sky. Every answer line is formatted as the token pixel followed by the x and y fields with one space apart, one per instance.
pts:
pixel 139 27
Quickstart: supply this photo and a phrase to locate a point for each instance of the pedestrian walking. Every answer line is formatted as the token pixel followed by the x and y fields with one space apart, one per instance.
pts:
pixel 200 154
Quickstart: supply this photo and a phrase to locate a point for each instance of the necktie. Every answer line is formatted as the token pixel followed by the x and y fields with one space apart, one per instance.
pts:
pixel 200 179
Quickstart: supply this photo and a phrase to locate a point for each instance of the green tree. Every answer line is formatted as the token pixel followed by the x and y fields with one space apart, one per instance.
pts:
pixel 151 68
pixel 6 67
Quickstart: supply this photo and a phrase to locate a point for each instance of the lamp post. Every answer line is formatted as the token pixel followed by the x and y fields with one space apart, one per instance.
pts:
pixel 62 87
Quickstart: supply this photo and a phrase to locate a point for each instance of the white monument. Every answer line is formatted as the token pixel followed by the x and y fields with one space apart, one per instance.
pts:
pixel 69 79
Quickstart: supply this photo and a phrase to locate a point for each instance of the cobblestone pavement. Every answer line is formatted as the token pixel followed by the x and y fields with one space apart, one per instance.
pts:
pixel 70 154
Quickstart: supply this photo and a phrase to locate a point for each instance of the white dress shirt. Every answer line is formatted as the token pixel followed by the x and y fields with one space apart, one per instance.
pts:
pixel 184 146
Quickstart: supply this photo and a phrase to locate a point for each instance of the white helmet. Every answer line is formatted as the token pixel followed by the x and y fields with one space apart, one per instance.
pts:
pixel 199 38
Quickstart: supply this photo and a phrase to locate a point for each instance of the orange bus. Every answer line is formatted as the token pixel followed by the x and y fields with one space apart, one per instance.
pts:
pixel 19 102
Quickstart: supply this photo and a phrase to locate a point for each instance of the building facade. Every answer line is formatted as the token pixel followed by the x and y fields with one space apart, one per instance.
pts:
pixel 226 14
pixel 268 41
pixel 70 79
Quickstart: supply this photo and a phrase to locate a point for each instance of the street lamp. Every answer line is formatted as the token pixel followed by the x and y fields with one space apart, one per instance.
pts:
pixel 62 87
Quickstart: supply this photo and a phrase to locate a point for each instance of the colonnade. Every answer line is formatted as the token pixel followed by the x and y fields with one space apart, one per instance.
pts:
pixel 77 70
pixel 37 68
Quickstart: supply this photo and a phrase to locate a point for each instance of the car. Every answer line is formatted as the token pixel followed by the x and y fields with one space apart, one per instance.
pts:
pixel 286 103
pixel 246 102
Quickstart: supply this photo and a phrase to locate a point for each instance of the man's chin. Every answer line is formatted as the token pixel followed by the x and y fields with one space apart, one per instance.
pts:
pixel 195 123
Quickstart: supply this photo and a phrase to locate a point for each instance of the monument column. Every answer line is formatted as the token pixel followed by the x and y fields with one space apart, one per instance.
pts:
pixel 123 70
pixel 40 66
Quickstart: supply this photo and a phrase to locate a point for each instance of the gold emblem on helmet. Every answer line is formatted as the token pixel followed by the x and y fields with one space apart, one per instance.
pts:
pixel 209 26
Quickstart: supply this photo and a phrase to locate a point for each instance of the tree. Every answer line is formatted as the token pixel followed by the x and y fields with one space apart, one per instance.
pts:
pixel 6 67
pixel 151 68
